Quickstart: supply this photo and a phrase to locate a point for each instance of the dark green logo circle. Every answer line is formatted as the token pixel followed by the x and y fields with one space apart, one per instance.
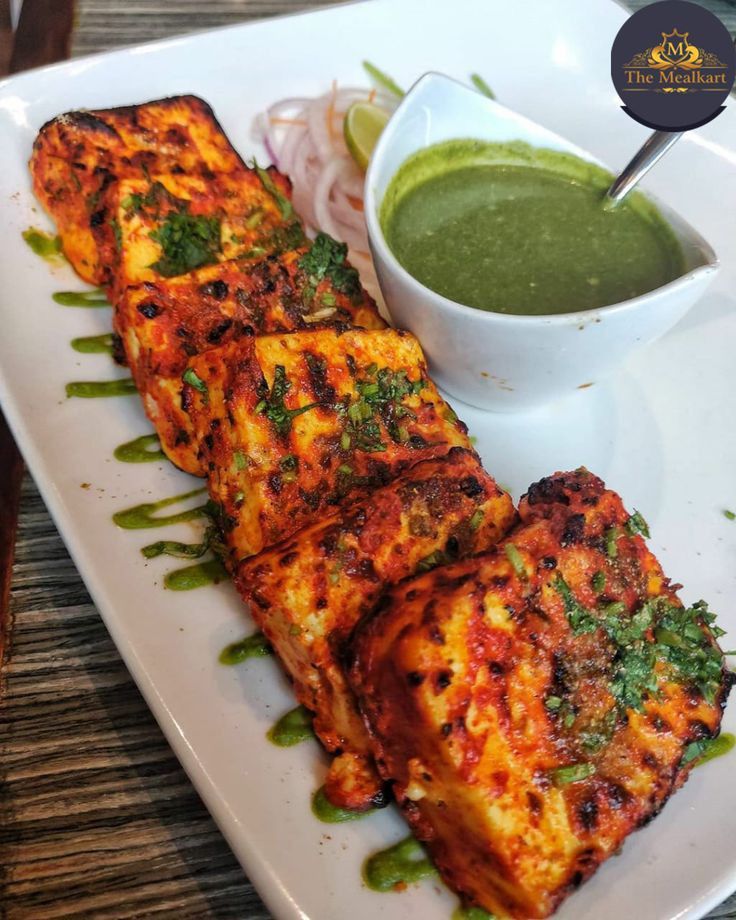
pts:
pixel 673 64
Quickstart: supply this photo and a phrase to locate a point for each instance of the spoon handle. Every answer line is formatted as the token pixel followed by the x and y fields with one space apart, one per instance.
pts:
pixel 656 145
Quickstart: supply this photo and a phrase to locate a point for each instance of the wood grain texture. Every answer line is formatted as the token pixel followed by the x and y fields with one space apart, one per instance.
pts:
pixel 104 24
pixel 43 35
pixel 97 819
pixel 6 37
pixel 11 474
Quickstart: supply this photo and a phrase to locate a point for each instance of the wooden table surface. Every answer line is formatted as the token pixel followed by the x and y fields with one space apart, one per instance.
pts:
pixel 97 818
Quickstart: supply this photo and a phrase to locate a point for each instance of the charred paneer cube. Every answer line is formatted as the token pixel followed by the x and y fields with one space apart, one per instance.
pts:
pixel 536 704
pixel 169 225
pixel 76 157
pixel 290 425
pixel 308 593
pixel 163 324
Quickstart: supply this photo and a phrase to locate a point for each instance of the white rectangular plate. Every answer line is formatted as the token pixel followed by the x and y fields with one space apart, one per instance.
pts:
pixel 662 433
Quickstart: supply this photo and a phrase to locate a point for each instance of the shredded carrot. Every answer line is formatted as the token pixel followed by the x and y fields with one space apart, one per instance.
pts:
pixel 287 121
pixel 355 203
pixel 331 111
pixel 372 95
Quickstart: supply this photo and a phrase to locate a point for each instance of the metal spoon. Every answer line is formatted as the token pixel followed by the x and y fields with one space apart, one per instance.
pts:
pixel 655 147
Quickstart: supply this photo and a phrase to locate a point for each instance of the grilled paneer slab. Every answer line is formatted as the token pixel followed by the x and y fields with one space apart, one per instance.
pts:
pixel 533 704
pixel 307 593
pixel 163 325
pixel 78 155
pixel 289 425
pixel 168 225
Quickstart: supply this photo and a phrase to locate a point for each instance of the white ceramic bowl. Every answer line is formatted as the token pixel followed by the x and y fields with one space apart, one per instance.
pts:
pixel 494 360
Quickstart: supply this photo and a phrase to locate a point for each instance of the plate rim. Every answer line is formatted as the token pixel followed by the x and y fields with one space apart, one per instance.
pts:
pixel 260 873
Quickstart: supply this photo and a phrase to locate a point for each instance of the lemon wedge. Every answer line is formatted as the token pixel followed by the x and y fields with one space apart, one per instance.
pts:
pixel 362 128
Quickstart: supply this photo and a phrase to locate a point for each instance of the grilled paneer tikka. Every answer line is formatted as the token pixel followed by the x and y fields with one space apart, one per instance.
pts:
pixel 308 593
pixel 289 426
pixel 79 155
pixel 533 705
pixel 164 324
pixel 529 687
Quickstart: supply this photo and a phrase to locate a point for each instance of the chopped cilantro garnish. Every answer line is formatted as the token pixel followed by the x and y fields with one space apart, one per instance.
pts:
pixel 156 195
pixel 326 259
pixel 637 524
pixel 254 219
pixel 599 582
pixel 686 647
pixel 731 515
pixel 614 609
pixel 191 377
pixel 611 539
pixel 574 773
pixel 117 233
pixel 282 239
pixel 273 406
pixel 516 560
pixel 255 252
pixel 438 557
pixel 267 182
pixel 477 519
pixel 660 631
pixel 187 242
pixel 132 202
pixel 362 429
pixel 241 460
pixel 380 394
pixel 595 735
pixel 581 619
pixel 553 703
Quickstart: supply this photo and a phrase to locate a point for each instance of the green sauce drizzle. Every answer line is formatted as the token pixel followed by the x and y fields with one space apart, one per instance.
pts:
pixel 255 646
pixel 94 389
pixel 471 913
pixel 403 863
pixel 44 244
pixel 196 576
pixel 145 449
pixel 140 517
pixel 325 811
pixel 292 728
pixel 94 298
pixel 700 752
pixel 94 344
pixel 176 549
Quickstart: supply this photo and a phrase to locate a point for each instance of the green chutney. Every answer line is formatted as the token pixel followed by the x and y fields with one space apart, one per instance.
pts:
pixel 512 228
